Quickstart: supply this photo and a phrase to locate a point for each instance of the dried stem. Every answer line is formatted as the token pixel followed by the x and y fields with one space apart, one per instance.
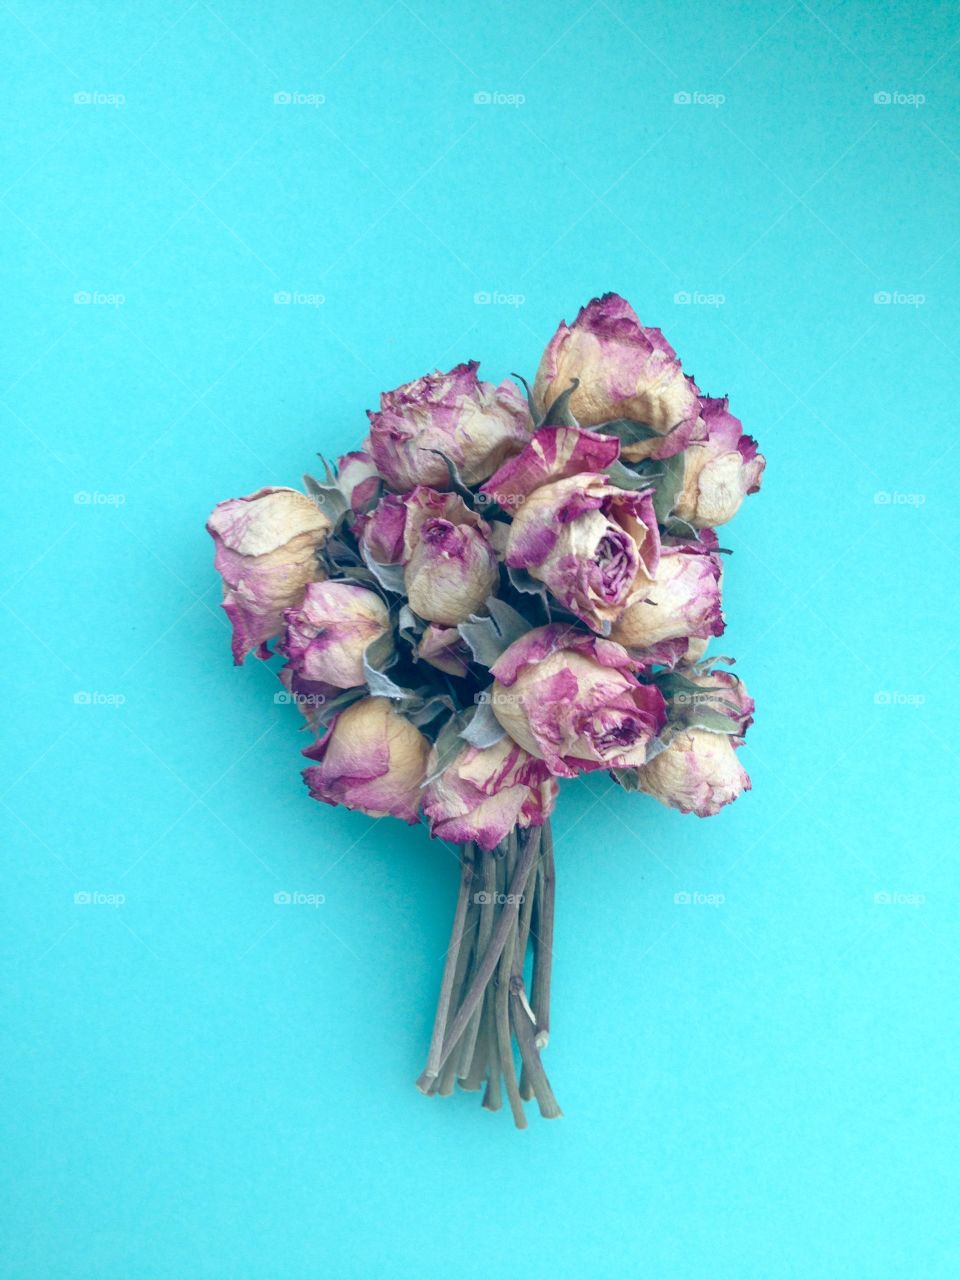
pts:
pixel 488 963
pixel 449 971
pixel 543 968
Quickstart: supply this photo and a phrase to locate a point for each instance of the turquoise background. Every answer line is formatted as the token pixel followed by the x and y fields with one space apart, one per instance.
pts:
pixel 202 1083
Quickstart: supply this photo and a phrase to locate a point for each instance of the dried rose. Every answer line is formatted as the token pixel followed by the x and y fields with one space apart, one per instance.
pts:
pixel 683 600
pixel 588 541
pixel 475 424
pixel 449 565
pixel 372 759
pixel 571 700
pixel 483 794
pixel 266 553
pixel 329 632
pixel 721 467
pixel 625 370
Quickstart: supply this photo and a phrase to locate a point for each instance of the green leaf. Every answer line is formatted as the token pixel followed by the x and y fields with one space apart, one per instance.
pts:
pixel 390 576
pixel 457 484
pixel 666 477
pixel 487 638
pixel 625 477
pixel 484 729
pixel 559 413
pixel 448 745
pixel 530 404
pixel 628 431
pixel 328 498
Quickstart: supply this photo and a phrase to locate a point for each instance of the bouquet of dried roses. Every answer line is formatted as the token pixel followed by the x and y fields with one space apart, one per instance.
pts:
pixel 499 590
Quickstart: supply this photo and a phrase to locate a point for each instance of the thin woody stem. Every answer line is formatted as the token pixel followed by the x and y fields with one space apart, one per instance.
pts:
pixel 503 1030
pixel 533 1070
pixel 488 962
pixel 543 970
pixel 487 912
pixel 434 1061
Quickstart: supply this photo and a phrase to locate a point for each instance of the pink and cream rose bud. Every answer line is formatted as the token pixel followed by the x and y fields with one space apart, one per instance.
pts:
pixel 358 479
pixel 372 759
pixel 483 794
pixel 589 542
pixel 697 773
pixel 329 632
pixel 721 466
pixel 625 370
pixel 683 600
pixel 572 700
pixel 266 553
pixel 449 565
pixel 476 424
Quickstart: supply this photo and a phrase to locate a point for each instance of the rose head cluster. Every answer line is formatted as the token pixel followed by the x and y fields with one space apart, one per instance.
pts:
pixel 502 588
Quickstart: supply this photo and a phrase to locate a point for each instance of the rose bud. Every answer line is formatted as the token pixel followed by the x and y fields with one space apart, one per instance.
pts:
pixel 697 773
pixel 449 565
pixel 682 600
pixel 571 700
pixel 724 694
pixel 381 532
pixel 358 479
pixel 476 424
pixel 625 371
pixel 445 649
pixel 372 759
pixel 552 454
pixel 720 468
pixel 451 571
pixel 483 794
pixel 587 541
pixel 266 553
pixel 329 632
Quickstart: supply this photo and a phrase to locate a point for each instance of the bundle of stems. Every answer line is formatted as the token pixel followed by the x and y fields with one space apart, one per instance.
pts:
pixel 504 907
